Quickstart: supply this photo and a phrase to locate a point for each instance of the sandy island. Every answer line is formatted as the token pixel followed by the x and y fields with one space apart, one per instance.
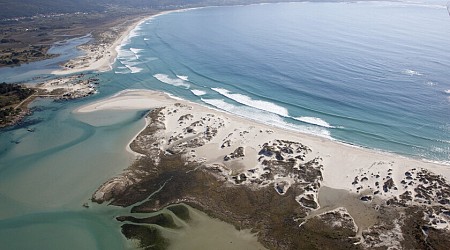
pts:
pixel 372 198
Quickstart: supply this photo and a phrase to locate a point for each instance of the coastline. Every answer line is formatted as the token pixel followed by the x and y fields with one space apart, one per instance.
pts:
pixel 371 178
pixel 313 177
pixel 100 57
pixel 148 99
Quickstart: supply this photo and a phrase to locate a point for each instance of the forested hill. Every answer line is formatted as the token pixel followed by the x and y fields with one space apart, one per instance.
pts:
pixel 27 8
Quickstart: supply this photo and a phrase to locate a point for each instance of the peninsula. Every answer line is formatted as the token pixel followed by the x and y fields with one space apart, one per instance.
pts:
pixel 294 190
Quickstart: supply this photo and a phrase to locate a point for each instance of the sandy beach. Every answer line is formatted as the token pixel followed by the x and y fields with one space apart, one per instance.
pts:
pixel 341 162
pixel 100 55
pixel 328 179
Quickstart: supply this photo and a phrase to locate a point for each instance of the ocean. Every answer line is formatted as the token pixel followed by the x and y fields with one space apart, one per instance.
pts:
pixel 371 74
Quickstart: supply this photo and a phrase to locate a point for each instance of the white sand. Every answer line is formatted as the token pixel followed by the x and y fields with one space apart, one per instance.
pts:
pixel 341 162
pixel 70 84
pixel 98 57
pixel 101 57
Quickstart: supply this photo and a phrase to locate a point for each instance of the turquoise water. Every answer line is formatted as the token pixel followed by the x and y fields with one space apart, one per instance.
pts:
pixel 65 50
pixel 371 74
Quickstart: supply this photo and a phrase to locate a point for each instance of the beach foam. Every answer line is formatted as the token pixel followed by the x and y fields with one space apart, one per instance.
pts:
pixel 198 92
pixel 265 117
pixel 171 81
pixel 184 78
pixel 136 52
pixel 128 57
pixel 314 121
pixel 258 104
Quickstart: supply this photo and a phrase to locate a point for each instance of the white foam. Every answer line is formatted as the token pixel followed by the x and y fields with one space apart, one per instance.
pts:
pixel 146 39
pixel 411 72
pixel 171 81
pixel 198 92
pixel 447 91
pixel 134 69
pixel 130 59
pixel 184 78
pixel 314 120
pixel 175 97
pixel 258 104
pixel 136 52
pixel 266 117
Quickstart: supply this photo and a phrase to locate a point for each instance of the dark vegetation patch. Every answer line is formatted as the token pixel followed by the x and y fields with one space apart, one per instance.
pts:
pixel 11 95
pixel 162 219
pixel 148 237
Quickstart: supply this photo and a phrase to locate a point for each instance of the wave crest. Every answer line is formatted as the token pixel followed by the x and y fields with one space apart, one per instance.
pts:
pixel 171 81
pixel 314 120
pixel 257 104
pixel 198 92
pixel 266 117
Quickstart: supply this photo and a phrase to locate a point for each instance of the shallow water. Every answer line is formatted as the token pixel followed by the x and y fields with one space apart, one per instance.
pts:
pixel 364 214
pixel 46 178
pixel 203 232
pixel 26 72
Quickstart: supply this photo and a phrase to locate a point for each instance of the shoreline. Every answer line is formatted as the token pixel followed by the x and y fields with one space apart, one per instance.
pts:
pixel 106 54
pixel 109 103
pixel 101 57
pixel 309 177
pixel 149 99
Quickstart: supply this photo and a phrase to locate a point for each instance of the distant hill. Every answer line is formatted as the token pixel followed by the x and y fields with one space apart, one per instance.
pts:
pixel 21 8
pixel 27 8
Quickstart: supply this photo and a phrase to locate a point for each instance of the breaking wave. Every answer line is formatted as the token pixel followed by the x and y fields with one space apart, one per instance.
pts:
pixel 198 92
pixel 314 121
pixel 172 81
pixel 257 104
pixel 184 78
pixel 266 117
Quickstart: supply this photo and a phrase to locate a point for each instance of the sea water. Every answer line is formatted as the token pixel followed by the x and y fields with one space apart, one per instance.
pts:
pixel 374 74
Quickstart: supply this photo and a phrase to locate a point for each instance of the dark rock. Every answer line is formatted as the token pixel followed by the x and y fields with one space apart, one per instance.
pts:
pixel 310 203
pixel 366 198
pixel 267 151
pixel 388 185
pixel 278 156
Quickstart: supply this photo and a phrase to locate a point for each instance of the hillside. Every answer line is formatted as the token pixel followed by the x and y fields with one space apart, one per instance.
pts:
pixel 28 8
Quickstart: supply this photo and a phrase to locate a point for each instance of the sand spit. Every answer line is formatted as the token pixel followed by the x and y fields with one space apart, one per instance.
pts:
pixel 100 54
pixel 284 185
